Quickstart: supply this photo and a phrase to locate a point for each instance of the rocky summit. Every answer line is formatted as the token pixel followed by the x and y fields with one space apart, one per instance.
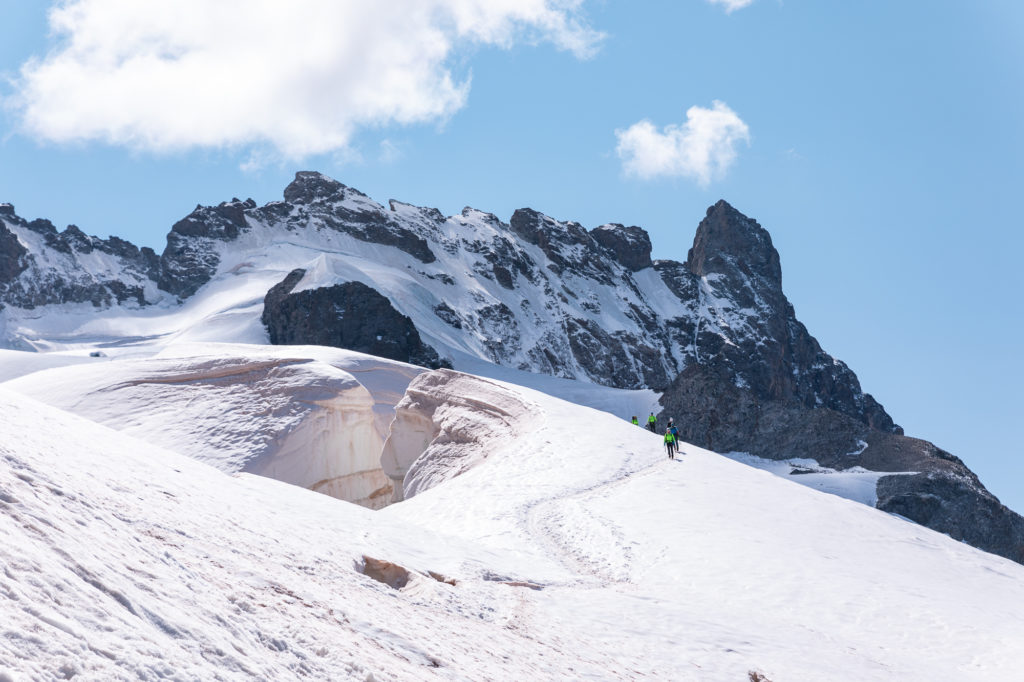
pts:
pixel 714 335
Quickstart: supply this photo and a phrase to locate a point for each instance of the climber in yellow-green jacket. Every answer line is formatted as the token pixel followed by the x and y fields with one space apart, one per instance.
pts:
pixel 670 444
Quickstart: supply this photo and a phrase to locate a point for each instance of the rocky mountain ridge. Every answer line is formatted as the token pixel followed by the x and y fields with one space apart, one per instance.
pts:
pixel 716 334
pixel 40 266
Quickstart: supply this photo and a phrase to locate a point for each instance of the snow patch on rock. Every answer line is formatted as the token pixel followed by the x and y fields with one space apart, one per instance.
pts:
pixel 856 483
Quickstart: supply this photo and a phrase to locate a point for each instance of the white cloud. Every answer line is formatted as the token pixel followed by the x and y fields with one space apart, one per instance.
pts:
pixel 300 76
pixel 731 5
pixel 702 148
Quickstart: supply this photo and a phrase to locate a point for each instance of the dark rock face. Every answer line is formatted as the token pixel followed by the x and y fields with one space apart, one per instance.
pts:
pixel 191 256
pixel 567 245
pixel 349 315
pixel 446 313
pixel 310 187
pixel 958 506
pixel 711 411
pixel 727 240
pixel 64 276
pixel 618 355
pixel 12 255
pixel 631 246
pixel 751 336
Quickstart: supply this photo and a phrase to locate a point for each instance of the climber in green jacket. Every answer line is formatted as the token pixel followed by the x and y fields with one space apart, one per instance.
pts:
pixel 670 444
pixel 652 422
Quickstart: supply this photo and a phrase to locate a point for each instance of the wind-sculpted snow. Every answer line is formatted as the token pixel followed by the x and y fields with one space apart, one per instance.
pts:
pixel 122 561
pixel 574 551
pixel 296 420
pixel 446 424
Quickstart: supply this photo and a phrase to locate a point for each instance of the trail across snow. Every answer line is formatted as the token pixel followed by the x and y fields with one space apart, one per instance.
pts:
pixel 707 569
pixel 122 561
pixel 576 548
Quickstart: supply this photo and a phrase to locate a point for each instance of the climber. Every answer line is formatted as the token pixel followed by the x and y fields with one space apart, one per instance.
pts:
pixel 652 423
pixel 636 422
pixel 670 444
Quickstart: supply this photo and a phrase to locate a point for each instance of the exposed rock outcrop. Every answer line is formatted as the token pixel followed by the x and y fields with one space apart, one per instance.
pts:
pixel 12 255
pixel 192 255
pixel 738 280
pixel 40 266
pixel 955 503
pixel 711 411
pixel 631 246
pixel 349 315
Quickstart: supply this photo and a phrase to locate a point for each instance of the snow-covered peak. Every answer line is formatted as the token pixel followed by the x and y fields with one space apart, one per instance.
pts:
pixel 536 293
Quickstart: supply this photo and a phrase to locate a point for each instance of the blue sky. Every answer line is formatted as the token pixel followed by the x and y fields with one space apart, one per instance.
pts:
pixel 880 143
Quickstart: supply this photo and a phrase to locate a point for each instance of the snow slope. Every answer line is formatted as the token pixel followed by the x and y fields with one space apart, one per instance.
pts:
pixel 575 553
pixel 291 413
pixel 124 561
pixel 120 395
pixel 708 567
pixel 16 363
pixel 297 420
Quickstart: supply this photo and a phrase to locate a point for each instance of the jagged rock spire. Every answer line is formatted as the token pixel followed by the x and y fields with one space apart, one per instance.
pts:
pixel 726 239
pixel 310 186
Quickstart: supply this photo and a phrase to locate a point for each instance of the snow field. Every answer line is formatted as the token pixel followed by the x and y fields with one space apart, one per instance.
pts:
pixel 123 561
pixel 708 568
pixel 577 549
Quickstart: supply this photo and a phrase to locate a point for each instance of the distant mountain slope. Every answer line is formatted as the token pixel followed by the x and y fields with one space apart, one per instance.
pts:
pixel 40 266
pixel 535 293
pixel 329 265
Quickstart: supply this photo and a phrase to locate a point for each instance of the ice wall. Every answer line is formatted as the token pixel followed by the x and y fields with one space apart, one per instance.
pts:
pixel 297 420
pixel 447 423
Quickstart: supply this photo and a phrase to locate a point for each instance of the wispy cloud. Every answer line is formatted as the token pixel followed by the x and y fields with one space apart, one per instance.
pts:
pixel 299 77
pixel 701 148
pixel 732 5
pixel 389 151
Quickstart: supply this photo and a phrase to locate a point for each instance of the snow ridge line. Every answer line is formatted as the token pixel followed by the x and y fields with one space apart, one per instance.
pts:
pixel 232 370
